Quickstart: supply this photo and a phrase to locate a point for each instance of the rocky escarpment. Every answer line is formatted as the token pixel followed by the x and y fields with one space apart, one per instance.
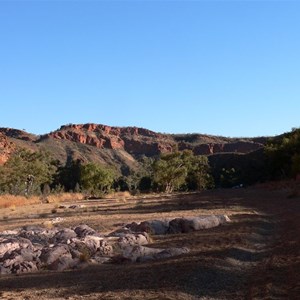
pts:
pixel 136 141
pixel 229 147
pixel 139 141
pixel 10 139
pixel 120 147
pixel 6 148
pixel 18 134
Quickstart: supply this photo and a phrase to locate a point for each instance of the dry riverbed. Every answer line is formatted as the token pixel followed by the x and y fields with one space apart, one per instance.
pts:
pixel 255 256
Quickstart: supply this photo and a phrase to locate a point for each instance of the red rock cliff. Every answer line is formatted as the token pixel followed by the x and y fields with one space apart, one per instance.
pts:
pixel 134 140
pixel 6 148
pixel 140 141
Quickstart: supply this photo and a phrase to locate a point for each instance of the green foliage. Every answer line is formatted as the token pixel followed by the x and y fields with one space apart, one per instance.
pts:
pixel 36 173
pixel 199 177
pixel 96 179
pixel 26 172
pixel 68 176
pixel 139 179
pixel 282 155
pixel 170 171
pixel 121 184
pixel 181 170
pixel 145 184
pixel 146 168
pixel 295 169
pixel 133 180
pixel 229 177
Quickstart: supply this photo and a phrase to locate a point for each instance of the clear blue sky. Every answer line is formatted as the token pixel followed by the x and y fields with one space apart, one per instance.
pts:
pixel 229 68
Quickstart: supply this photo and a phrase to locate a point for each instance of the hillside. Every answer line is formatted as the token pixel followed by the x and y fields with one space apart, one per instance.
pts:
pixel 121 147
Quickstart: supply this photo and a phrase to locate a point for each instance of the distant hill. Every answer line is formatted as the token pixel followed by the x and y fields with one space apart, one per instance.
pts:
pixel 121 147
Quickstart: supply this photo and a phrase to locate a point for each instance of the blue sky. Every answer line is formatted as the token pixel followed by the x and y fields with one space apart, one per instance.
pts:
pixel 228 68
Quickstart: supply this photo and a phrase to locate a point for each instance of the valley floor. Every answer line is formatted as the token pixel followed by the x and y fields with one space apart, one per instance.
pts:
pixel 256 256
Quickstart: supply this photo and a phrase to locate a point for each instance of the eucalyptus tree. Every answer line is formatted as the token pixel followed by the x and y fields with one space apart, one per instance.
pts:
pixel 26 172
pixel 96 179
pixel 181 170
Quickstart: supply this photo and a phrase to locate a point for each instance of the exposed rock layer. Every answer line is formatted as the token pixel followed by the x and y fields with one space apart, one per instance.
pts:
pixel 6 148
pixel 34 248
pixel 138 141
pixel 119 146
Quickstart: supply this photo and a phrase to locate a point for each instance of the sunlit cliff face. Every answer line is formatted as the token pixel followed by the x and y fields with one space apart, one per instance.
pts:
pixel 133 140
pixel 6 148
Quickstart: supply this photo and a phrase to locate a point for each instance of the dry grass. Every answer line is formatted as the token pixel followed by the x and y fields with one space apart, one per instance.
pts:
pixel 48 224
pixel 7 201
pixel 64 197
pixel 11 201
pixel 118 195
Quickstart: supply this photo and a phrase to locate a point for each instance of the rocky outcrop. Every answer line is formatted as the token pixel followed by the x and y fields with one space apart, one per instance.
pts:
pixel 140 141
pixel 136 141
pixel 120 147
pixel 178 225
pixel 185 225
pixel 34 248
pixel 6 148
pixel 18 134
pixel 228 147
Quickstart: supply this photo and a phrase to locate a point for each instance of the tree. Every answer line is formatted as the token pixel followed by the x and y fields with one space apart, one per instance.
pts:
pixel 121 184
pixel 228 178
pixel 68 175
pixel 137 179
pixel 296 164
pixel 96 179
pixel 170 171
pixel 145 184
pixel 133 180
pixel 281 155
pixel 198 177
pixel 26 172
pixel 182 170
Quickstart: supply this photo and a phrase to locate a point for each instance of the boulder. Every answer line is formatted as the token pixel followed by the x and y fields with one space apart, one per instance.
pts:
pixel 24 267
pixel 140 227
pixel 105 249
pixel 84 230
pixel 134 239
pixel 120 232
pixel 9 233
pixel 135 253
pixel 98 244
pixel 159 227
pixel 141 253
pixel 166 253
pixel 51 254
pixel 10 244
pixel 177 225
pixel 187 224
pixel 32 248
pixel 19 261
pixel 18 255
pixel 156 227
pixel 63 236
pixel 63 263
pixel 37 234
